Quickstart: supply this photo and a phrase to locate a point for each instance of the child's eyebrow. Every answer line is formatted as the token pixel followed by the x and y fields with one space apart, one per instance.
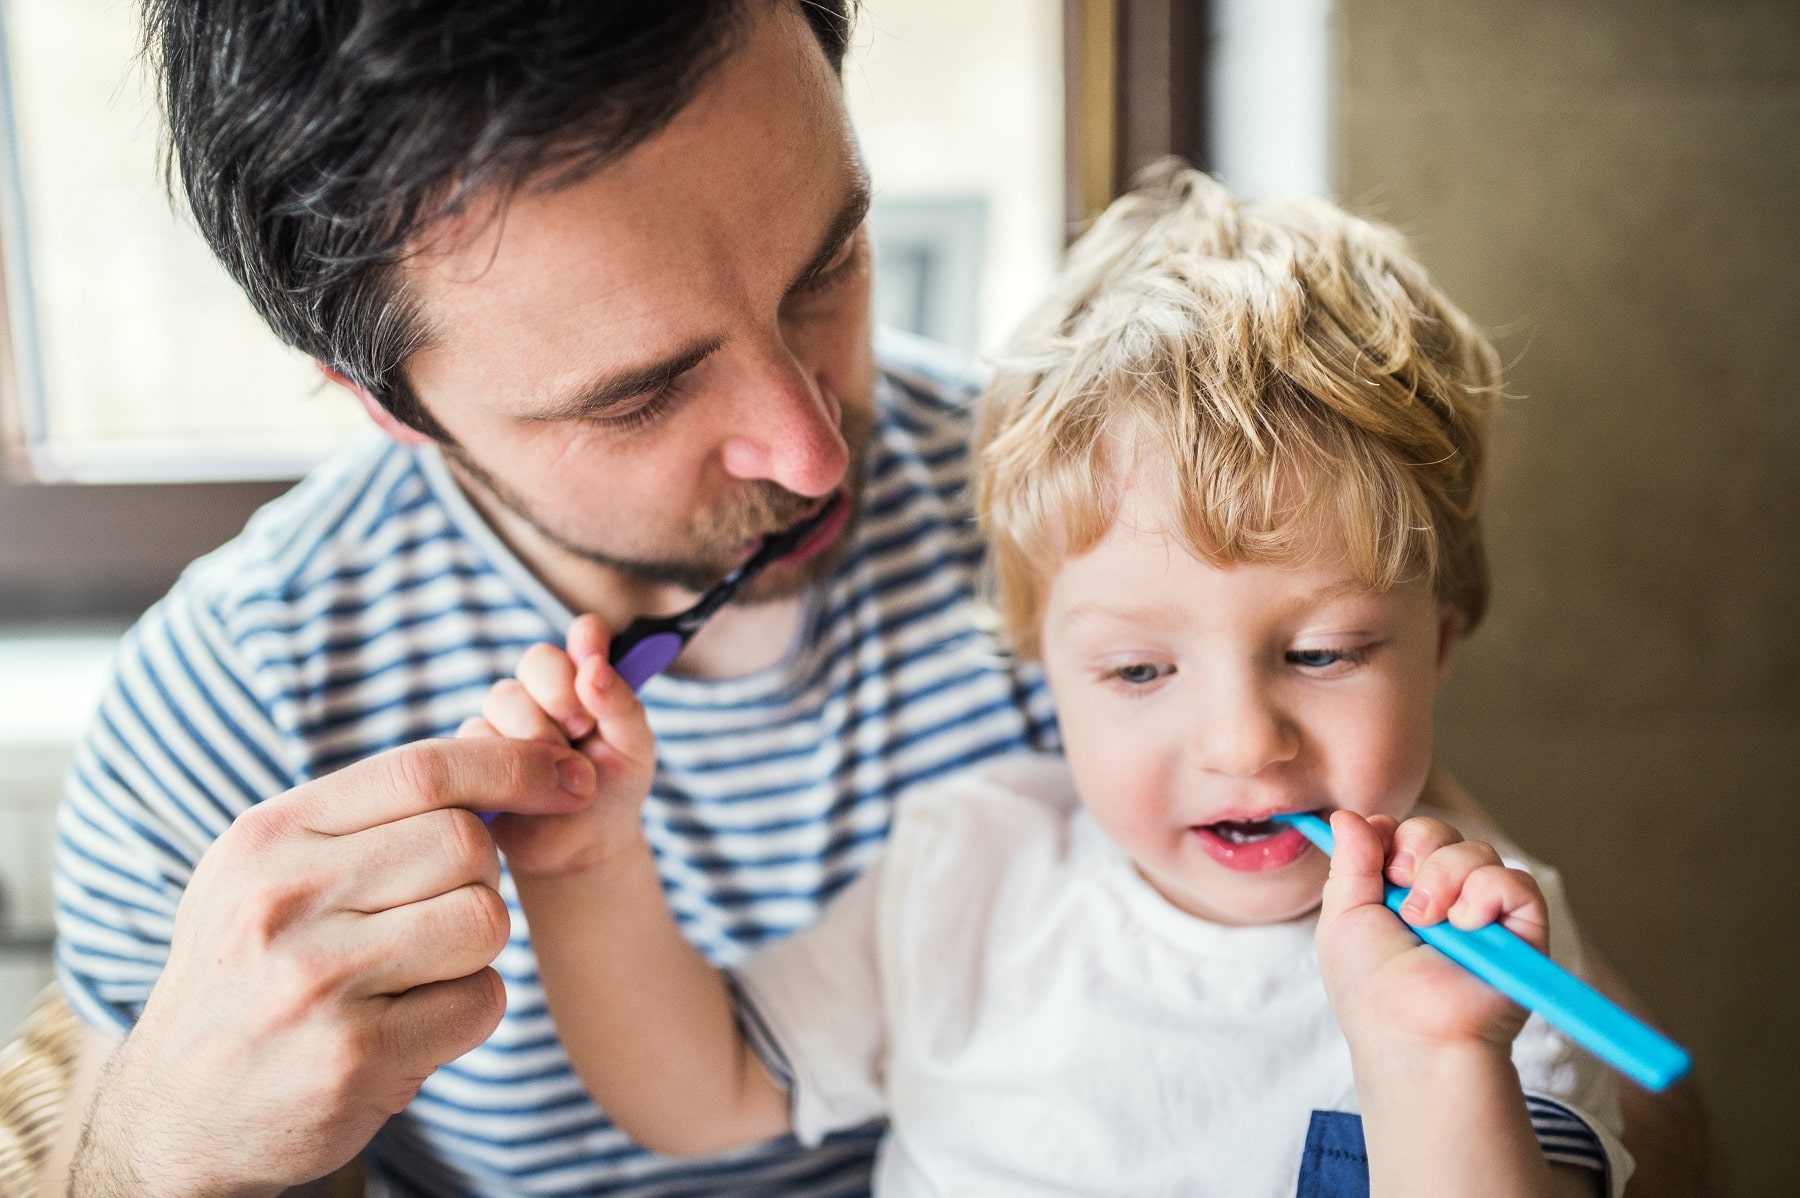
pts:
pixel 1161 615
pixel 1175 615
pixel 1345 588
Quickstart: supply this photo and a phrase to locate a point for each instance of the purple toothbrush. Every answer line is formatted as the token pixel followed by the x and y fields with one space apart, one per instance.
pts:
pixel 650 644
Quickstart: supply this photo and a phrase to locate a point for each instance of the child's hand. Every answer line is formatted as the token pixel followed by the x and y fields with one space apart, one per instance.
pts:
pixel 1392 993
pixel 573 697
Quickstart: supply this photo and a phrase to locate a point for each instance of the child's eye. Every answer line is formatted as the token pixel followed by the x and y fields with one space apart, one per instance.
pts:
pixel 1141 673
pixel 1324 659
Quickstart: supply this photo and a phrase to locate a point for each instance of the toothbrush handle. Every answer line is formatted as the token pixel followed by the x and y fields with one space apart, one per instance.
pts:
pixel 1537 983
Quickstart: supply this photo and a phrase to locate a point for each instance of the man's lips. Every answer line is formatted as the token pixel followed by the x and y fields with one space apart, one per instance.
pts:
pixel 822 536
pixel 1251 845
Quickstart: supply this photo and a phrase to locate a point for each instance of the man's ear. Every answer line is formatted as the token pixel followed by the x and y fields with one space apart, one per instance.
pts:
pixel 384 420
pixel 1450 630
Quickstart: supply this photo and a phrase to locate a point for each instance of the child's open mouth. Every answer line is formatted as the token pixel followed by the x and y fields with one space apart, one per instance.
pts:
pixel 1244 831
pixel 1251 845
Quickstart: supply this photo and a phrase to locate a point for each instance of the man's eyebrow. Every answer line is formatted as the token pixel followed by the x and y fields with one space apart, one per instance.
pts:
pixel 593 398
pixel 855 209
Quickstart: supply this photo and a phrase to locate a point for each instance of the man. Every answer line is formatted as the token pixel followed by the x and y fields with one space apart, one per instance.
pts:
pixel 600 272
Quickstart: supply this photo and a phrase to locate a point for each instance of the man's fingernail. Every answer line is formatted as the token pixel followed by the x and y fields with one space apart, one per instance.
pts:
pixel 576 776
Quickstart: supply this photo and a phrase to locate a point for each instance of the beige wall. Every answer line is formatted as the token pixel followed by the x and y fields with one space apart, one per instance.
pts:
pixel 1614 186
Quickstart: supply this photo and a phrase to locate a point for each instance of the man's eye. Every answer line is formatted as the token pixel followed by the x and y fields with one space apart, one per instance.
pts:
pixel 651 408
pixel 833 270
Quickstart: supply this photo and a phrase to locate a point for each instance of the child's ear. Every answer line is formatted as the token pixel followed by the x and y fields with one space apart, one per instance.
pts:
pixel 384 420
pixel 1450 629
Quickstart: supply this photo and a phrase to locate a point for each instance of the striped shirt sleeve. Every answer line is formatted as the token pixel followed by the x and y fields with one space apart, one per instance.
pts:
pixel 1564 1136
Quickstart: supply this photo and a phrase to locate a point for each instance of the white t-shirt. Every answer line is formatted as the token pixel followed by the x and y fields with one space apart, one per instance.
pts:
pixel 1033 1018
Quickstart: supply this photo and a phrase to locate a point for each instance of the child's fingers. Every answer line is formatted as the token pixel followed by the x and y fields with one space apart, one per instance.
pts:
pixel 588 637
pixel 548 675
pixel 510 710
pixel 1494 893
pixel 1439 879
pixel 475 728
pixel 1414 841
pixel 618 713
pixel 1356 862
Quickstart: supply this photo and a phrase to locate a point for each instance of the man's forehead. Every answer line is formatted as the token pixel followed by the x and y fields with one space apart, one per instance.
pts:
pixel 710 217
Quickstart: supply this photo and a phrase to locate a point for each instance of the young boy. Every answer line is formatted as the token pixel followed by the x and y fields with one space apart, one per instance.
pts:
pixel 1230 479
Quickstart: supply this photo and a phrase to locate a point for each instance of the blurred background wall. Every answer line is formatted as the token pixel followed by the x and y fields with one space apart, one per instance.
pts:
pixel 1614 187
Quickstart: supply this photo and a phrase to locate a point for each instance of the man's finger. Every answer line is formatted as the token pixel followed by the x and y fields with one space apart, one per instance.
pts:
pixel 482 774
pixel 411 860
pixel 433 1024
pixel 449 936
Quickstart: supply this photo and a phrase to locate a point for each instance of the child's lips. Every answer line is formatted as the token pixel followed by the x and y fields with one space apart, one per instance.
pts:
pixel 1251 845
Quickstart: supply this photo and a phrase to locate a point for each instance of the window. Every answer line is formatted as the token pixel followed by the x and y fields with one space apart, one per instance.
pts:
pixel 959 110
pixel 137 379
pixel 136 359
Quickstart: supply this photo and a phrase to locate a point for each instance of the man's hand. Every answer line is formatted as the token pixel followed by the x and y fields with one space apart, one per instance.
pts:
pixel 331 951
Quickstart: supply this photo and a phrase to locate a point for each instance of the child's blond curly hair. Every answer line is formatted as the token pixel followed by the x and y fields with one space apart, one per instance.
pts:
pixel 1273 372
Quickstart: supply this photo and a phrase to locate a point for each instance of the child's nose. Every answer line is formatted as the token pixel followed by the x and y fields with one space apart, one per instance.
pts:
pixel 1242 732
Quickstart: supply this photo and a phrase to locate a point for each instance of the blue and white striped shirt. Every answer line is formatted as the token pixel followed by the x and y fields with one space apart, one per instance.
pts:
pixel 371 606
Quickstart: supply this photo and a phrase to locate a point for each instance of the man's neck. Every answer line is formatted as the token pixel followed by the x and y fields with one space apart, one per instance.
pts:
pixel 742 639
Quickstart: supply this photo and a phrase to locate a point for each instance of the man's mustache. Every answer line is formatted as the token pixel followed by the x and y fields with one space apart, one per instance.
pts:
pixel 767 509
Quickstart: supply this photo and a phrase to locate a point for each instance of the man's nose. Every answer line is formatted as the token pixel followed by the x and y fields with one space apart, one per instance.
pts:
pixel 786 429
pixel 1241 729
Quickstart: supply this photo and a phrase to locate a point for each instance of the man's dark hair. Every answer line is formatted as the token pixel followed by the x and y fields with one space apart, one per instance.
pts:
pixel 315 138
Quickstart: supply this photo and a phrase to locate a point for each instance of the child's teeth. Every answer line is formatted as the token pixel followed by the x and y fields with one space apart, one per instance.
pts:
pixel 1244 831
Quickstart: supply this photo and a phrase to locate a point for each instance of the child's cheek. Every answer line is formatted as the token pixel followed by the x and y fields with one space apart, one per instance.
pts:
pixel 1386 771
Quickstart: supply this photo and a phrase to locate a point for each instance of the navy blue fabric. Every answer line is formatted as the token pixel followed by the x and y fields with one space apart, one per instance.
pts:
pixel 1334 1164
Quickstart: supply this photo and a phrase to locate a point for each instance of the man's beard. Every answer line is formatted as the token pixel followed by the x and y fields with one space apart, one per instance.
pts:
pixel 719 538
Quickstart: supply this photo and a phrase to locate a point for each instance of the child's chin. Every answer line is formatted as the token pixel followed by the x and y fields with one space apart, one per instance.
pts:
pixel 1270 914
pixel 1248 910
pixel 1271 900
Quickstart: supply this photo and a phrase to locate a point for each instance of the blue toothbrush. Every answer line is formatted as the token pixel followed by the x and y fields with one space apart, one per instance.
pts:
pixel 1537 983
